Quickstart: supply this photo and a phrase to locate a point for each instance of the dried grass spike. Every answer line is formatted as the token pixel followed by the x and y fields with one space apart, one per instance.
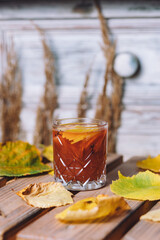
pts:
pixel 48 102
pixel 109 107
pixel 11 96
pixel 83 105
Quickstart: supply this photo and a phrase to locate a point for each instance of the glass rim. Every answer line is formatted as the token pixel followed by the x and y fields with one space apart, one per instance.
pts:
pixel 96 122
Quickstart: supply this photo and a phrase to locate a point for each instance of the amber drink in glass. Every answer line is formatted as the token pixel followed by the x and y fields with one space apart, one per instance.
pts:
pixel 80 153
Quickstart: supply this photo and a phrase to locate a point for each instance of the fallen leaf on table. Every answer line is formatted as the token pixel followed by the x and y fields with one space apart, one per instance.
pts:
pixel 46 195
pixel 153 215
pixel 47 152
pixel 94 208
pixel 143 186
pixel 51 173
pixel 152 164
pixel 19 159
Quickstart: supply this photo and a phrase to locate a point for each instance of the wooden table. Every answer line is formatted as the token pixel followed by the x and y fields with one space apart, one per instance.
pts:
pixel 22 222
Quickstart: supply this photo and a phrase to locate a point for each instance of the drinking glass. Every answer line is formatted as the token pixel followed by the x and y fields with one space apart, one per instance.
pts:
pixel 80 152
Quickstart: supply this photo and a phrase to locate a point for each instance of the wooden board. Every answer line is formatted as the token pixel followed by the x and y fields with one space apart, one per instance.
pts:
pixel 47 227
pixel 69 9
pixel 75 42
pixel 113 160
pixel 14 211
pixel 144 229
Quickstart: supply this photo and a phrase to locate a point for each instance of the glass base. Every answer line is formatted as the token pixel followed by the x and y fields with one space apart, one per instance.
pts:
pixel 78 186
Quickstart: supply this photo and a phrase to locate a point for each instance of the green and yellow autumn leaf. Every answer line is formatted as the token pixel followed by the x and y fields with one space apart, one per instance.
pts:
pixel 19 159
pixel 152 164
pixel 143 186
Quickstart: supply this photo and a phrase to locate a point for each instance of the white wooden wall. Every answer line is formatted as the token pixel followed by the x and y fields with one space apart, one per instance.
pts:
pixel 75 40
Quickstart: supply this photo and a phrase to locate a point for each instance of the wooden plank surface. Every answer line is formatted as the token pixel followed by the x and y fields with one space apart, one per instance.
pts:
pixel 13 209
pixel 113 160
pixel 144 229
pixel 69 9
pixel 15 212
pixel 47 227
pixel 75 43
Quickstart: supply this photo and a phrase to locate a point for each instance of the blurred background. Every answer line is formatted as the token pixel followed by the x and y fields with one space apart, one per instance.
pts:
pixel 88 58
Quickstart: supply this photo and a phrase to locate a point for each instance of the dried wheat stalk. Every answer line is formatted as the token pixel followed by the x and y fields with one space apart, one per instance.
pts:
pixel 109 107
pixel 11 96
pixel 83 103
pixel 48 102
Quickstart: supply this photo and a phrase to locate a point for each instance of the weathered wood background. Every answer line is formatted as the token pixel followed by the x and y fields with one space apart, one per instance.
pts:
pixel 74 37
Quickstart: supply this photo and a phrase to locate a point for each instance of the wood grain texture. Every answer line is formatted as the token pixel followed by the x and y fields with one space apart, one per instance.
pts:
pixel 67 9
pixel 113 160
pixel 74 44
pixel 47 227
pixel 75 39
pixel 144 229
pixel 15 211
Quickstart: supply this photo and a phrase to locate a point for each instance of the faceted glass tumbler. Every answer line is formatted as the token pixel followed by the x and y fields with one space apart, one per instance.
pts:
pixel 80 152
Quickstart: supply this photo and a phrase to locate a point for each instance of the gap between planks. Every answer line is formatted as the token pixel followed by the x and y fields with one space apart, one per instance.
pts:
pixel 3 181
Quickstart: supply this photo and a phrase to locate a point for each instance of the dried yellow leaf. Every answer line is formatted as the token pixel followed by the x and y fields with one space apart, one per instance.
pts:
pixel 152 164
pixel 45 195
pixel 153 215
pixel 94 208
